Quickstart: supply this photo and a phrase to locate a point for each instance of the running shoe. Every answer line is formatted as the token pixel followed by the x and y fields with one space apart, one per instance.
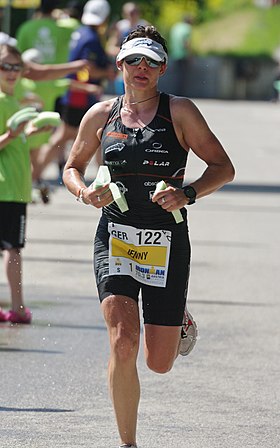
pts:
pixel 3 316
pixel 17 318
pixel 45 193
pixel 40 192
pixel 188 334
pixel 127 446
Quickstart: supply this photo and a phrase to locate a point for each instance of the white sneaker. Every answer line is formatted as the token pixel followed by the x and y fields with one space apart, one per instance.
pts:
pixel 127 446
pixel 188 334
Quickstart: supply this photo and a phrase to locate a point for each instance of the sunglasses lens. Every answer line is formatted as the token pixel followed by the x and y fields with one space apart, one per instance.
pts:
pixel 133 60
pixel 6 67
pixel 136 60
pixel 152 63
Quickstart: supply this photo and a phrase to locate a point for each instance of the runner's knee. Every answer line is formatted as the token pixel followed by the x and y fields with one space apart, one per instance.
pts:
pixel 159 364
pixel 124 346
pixel 121 318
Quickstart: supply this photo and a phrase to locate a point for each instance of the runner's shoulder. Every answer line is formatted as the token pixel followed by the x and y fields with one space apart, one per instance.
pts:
pixel 100 111
pixel 180 102
pixel 180 106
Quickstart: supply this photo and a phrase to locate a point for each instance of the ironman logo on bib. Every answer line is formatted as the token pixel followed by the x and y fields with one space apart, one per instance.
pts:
pixel 141 253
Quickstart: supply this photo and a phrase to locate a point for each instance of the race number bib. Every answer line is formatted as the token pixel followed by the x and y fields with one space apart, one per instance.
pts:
pixel 141 253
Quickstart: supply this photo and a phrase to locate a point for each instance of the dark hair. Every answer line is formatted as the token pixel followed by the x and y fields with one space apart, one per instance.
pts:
pixel 47 6
pixel 10 50
pixel 75 9
pixel 147 31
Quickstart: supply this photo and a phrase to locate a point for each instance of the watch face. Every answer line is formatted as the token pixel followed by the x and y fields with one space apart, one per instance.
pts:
pixel 190 192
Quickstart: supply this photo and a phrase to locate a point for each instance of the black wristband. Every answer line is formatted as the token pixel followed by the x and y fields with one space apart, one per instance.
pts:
pixel 190 193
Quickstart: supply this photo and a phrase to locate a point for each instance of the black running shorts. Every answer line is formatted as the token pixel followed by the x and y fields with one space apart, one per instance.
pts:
pixel 12 225
pixel 161 305
pixel 73 115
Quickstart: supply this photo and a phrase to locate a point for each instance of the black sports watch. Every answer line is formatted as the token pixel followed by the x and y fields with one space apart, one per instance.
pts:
pixel 190 193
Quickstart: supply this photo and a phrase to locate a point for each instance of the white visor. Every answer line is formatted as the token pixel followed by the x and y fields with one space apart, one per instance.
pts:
pixel 144 46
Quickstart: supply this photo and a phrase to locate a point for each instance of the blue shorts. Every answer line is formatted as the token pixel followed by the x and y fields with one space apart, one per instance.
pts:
pixel 161 305
pixel 12 225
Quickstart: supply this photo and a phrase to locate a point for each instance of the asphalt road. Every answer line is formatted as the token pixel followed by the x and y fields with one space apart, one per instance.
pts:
pixel 226 394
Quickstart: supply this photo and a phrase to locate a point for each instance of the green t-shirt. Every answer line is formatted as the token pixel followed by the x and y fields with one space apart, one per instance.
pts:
pixel 180 34
pixel 48 92
pixel 15 165
pixel 45 35
pixel 68 25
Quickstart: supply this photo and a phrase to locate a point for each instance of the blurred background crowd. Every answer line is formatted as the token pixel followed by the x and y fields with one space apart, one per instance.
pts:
pixel 230 48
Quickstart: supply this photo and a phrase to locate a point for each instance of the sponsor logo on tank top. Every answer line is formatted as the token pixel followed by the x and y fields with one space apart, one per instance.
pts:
pixel 115 162
pixel 157 147
pixel 155 163
pixel 117 147
pixel 122 187
pixel 150 184
pixel 179 173
pixel 151 194
pixel 161 151
pixel 117 135
pixel 155 130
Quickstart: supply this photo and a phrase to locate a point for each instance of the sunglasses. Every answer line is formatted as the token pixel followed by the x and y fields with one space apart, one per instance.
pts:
pixel 6 67
pixel 137 59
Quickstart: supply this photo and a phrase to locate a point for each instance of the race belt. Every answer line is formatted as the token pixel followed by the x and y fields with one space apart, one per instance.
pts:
pixel 140 253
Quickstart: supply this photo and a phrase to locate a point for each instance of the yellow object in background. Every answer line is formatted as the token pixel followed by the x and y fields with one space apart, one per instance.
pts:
pixel 21 3
pixel 83 75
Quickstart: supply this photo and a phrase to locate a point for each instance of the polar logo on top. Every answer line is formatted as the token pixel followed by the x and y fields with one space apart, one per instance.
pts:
pixel 116 147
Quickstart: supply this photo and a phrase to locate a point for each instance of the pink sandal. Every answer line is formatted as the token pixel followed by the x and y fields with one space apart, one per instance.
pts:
pixel 18 318
pixel 4 317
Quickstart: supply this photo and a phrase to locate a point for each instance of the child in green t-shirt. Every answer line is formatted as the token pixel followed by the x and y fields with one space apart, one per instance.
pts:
pixel 15 183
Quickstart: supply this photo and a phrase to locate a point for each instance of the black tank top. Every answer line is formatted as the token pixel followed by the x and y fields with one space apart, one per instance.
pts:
pixel 137 160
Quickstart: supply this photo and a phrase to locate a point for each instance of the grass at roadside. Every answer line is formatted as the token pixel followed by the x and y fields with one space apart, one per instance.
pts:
pixel 247 32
